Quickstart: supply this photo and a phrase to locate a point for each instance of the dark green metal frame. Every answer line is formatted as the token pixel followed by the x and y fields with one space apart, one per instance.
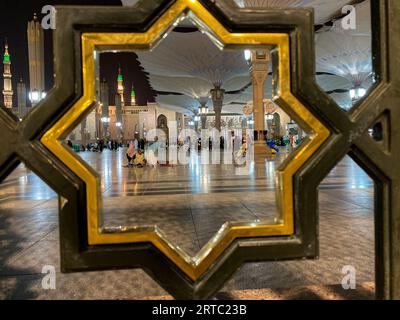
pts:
pixel 349 135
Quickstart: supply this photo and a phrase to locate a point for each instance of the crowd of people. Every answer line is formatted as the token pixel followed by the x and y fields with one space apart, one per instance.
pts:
pixel 100 145
pixel 135 150
pixel 141 153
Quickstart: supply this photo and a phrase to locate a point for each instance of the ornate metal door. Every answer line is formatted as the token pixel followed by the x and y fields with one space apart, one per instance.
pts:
pixel 87 245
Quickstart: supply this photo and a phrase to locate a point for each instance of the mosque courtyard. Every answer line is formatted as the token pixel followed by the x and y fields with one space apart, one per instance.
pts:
pixel 189 203
pixel 164 120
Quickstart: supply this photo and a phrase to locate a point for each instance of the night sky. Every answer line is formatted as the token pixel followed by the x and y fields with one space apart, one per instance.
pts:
pixel 13 24
pixel 133 75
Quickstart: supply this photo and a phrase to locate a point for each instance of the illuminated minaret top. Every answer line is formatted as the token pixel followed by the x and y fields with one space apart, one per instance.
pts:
pixel 7 89
pixel 120 87
pixel 133 97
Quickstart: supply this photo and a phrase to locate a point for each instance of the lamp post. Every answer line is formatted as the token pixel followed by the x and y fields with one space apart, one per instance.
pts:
pixel 217 95
pixel 203 111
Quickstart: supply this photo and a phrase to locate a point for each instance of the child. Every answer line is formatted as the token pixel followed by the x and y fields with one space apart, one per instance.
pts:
pixel 140 161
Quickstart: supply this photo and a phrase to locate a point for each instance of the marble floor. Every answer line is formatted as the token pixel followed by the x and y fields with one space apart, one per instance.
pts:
pixel 189 203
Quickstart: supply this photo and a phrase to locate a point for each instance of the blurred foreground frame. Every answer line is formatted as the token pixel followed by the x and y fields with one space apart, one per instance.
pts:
pixel 348 135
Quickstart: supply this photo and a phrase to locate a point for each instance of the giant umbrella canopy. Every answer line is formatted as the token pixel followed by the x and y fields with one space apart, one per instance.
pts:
pixel 340 53
pixel 346 54
pixel 323 9
pixel 189 63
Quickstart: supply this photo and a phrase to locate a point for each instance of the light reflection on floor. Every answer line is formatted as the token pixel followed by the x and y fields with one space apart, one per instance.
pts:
pixel 189 203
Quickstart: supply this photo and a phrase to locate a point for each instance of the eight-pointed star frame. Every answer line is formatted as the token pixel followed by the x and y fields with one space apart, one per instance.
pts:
pixel 193 267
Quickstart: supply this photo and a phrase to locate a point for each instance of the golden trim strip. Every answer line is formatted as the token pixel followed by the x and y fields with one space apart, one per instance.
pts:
pixel 195 266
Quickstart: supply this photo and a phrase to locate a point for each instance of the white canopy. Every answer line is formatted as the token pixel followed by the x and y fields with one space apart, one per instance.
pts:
pixel 179 103
pixel 191 64
pixel 194 55
pixel 324 9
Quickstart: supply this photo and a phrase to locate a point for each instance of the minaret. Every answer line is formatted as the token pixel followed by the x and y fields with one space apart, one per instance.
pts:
pixel 21 94
pixel 36 58
pixel 7 89
pixel 120 87
pixel 133 97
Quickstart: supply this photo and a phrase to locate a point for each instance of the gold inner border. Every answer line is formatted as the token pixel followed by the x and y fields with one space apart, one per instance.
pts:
pixel 195 266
